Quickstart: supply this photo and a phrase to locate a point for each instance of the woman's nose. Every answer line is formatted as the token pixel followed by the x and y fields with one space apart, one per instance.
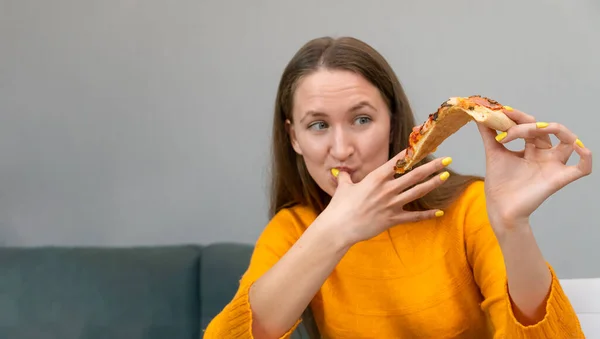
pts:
pixel 342 146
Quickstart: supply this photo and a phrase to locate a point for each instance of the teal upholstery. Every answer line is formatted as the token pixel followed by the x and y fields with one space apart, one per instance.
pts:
pixel 140 292
pixel 221 267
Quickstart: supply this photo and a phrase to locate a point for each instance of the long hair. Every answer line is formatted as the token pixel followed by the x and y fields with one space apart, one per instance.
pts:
pixel 291 184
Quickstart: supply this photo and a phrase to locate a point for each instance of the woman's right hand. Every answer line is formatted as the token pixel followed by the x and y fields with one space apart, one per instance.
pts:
pixel 365 209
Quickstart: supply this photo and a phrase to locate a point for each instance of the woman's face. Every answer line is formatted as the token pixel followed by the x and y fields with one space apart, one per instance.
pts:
pixel 340 121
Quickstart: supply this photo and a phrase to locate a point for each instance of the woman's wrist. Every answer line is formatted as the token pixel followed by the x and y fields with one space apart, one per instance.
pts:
pixel 334 227
pixel 508 225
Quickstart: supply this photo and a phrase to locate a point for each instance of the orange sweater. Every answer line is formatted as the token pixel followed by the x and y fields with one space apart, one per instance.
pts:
pixel 442 278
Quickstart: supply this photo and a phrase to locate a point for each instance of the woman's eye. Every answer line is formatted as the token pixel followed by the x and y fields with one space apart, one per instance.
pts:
pixel 363 120
pixel 318 125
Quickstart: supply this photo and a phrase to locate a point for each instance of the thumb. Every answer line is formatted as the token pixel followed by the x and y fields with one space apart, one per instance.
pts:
pixel 343 178
pixel 488 137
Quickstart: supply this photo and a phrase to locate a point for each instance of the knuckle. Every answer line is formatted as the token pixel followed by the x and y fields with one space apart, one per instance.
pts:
pixel 420 216
pixel 379 176
pixel 428 186
pixel 418 174
pixel 557 126
pixel 421 190
pixel 429 168
pixel 436 180
pixel 439 164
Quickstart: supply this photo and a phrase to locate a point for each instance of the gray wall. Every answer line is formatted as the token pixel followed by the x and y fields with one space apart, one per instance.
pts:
pixel 148 122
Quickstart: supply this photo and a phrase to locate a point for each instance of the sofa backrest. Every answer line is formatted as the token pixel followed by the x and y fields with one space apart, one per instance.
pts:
pixel 85 293
pixel 138 292
pixel 221 269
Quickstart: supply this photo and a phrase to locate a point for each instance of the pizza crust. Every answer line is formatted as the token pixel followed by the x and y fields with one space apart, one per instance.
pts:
pixel 496 120
pixel 452 115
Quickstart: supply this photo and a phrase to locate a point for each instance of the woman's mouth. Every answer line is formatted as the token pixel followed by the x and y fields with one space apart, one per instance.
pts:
pixel 345 169
pixel 335 171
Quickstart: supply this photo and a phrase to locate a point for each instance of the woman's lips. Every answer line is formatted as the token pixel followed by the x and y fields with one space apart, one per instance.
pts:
pixel 341 169
pixel 345 169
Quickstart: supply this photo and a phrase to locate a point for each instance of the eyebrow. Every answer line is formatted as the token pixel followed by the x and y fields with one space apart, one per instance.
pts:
pixel 352 109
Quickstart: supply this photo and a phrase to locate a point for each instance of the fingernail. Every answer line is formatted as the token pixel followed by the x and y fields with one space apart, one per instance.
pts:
pixel 501 136
pixel 444 176
pixel 579 143
pixel 439 213
pixel 541 124
pixel 335 172
pixel 447 161
pixel 508 108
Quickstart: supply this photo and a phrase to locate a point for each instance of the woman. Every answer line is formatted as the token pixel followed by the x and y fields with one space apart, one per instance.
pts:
pixel 426 255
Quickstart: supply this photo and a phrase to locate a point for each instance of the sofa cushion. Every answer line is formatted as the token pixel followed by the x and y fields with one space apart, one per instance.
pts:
pixel 85 293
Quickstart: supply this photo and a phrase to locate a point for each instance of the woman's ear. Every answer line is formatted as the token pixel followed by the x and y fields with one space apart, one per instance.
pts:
pixel 289 128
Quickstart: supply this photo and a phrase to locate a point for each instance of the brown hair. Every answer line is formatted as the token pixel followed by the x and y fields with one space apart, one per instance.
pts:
pixel 291 183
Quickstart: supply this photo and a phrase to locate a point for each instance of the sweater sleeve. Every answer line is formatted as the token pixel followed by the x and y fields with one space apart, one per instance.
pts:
pixel 487 262
pixel 235 320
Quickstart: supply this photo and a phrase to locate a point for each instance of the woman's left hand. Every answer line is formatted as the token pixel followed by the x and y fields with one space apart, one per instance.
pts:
pixel 517 183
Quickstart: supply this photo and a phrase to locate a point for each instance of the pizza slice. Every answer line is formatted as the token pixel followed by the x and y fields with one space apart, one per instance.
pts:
pixel 453 114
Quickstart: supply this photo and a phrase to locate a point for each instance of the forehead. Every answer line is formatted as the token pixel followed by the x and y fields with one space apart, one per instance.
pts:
pixel 333 91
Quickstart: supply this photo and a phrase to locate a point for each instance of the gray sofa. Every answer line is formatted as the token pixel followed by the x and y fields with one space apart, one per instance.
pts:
pixel 117 293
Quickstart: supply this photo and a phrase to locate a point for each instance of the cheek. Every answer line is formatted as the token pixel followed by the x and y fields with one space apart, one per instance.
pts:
pixel 377 143
pixel 375 149
pixel 314 149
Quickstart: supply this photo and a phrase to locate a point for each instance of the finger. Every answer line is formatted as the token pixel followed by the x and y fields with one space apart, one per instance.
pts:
pixel 536 130
pixel 518 116
pixel 583 167
pixel 488 137
pixel 415 216
pixel 421 189
pixel 537 136
pixel 523 118
pixel 386 171
pixel 397 157
pixel 532 140
pixel 419 174
pixel 342 177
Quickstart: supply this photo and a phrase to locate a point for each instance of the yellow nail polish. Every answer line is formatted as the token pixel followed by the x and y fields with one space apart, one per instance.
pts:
pixel 579 143
pixel 444 176
pixel 335 172
pixel 501 136
pixel 508 108
pixel 447 161
pixel 541 124
pixel 439 213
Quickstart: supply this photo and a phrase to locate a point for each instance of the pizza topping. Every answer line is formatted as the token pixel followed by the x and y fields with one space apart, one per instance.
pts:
pixel 427 125
pixel 446 104
pixel 399 168
pixel 414 138
pixel 483 101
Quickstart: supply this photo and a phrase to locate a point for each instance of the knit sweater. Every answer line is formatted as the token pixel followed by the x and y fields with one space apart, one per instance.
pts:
pixel 439 278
